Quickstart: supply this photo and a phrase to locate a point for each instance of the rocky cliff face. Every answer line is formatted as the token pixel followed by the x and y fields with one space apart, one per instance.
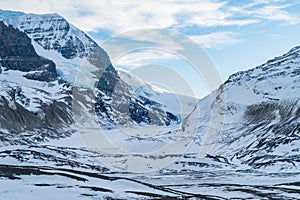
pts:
pixel 17 53
pixel 53 32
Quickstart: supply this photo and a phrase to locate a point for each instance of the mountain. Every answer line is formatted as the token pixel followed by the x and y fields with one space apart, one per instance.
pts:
pixel 252 121
pixel 55 73
pixel 262 128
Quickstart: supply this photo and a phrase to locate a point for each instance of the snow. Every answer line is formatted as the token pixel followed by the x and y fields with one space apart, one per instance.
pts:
pixel 46 92
pixel 175 103
pixel 77 71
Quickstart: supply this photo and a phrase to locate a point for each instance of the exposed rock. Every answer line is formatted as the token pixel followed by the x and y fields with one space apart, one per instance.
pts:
pixel 16 118
pixel 17 53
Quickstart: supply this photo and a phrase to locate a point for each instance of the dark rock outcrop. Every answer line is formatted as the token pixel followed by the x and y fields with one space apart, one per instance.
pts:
pixel 17 53
pixel 16 118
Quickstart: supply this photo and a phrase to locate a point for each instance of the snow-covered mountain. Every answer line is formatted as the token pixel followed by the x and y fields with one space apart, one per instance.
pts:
pixel 262 127
pixel 252 121
pixel 79 80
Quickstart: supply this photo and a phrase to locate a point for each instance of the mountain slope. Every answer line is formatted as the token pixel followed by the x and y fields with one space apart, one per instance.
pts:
pixel 268 131
pixel 25 104
pixel 253 118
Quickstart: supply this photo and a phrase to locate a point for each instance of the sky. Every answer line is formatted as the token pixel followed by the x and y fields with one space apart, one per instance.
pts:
pixel 236 35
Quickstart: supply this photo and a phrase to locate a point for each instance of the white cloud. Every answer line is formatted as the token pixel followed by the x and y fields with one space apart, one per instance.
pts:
pixel 216 40
pixel 120 16
pixel 272 10
pixel 146 57
pixel 150 39
pixel 275 13
pixel 136 52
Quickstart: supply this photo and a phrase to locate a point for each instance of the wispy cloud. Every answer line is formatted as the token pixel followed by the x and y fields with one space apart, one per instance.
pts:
pixel 275 13
pixel 271 10
pixel 216 39
pixel 120 16
pixel 141 58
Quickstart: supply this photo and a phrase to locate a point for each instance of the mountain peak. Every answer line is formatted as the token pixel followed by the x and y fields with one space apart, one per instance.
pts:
pixel 269 81
pixel 8 13
pixel 55 38
pixel 295 49
pixel 52 32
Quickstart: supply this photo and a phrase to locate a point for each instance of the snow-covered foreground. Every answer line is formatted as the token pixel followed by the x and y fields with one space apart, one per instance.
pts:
pixel 67 169
pixel 59 183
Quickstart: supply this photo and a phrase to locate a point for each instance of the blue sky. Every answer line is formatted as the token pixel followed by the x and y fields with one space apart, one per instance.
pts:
pixel 237 35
